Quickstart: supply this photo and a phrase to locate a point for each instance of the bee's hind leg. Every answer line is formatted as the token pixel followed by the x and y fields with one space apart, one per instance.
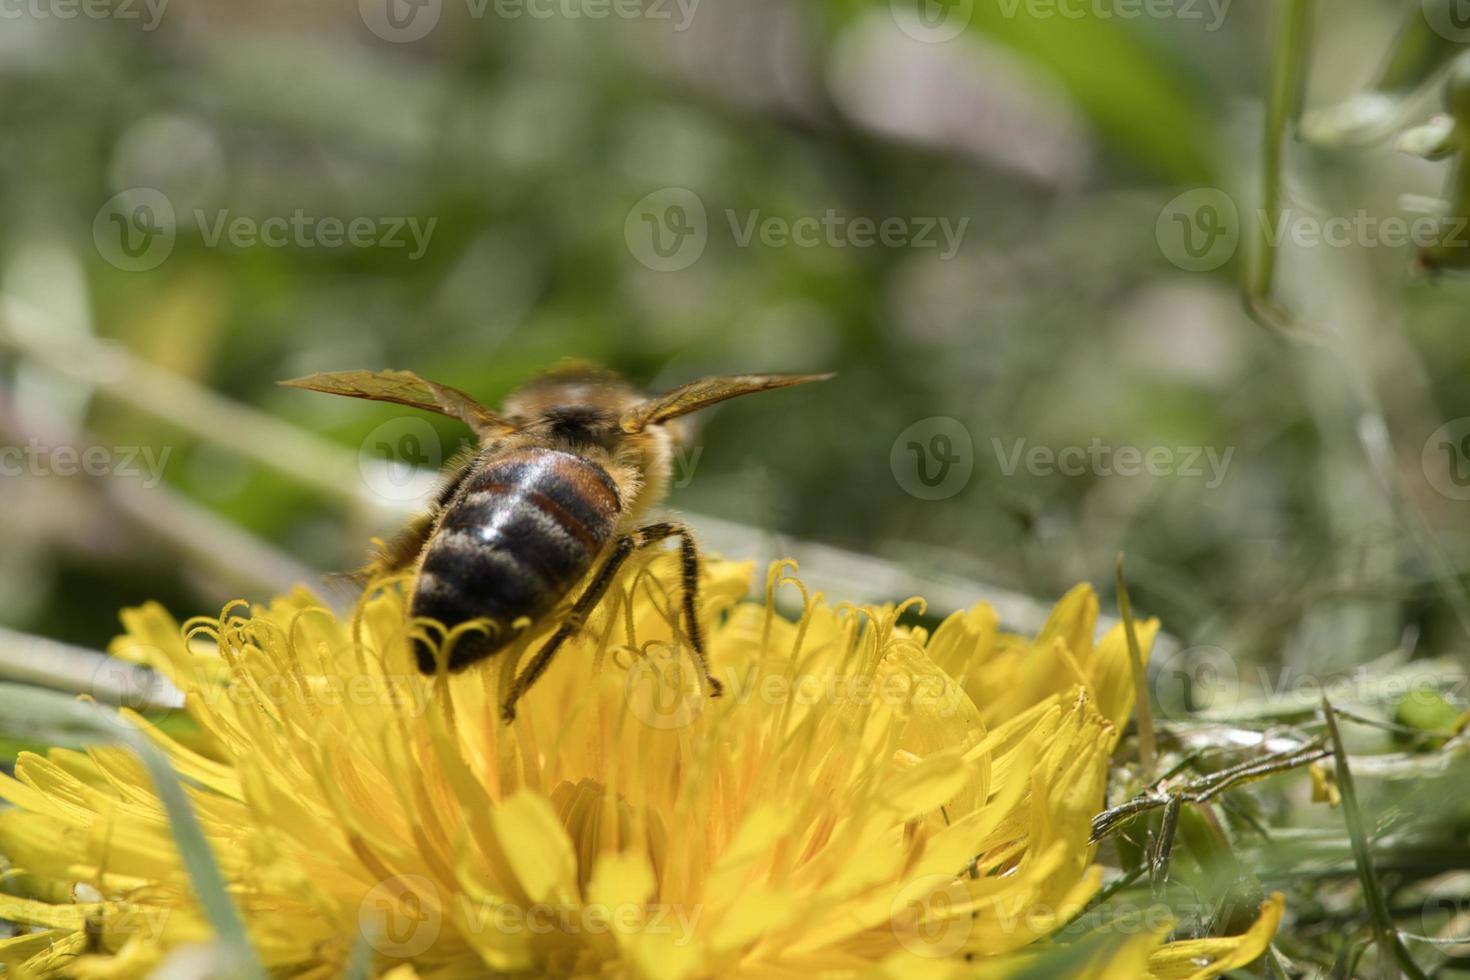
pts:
pixel 573 622
pixel 395 556
pixel 622 551
pixel 689 567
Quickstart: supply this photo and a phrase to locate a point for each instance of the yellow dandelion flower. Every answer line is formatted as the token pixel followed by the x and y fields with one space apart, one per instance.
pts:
pixel 866 800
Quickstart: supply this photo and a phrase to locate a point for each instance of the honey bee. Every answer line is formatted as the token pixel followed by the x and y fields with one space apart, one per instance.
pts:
pixel 566 473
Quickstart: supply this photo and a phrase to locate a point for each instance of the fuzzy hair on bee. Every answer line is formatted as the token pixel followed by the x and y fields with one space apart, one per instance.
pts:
pixel 562 481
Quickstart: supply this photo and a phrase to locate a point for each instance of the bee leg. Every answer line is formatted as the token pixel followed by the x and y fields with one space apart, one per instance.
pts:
pixel 94 929
pixel 573 622
pixel 689 587
pixel 397 555
pixel 626 545
pixel 401 552
pixel 689 567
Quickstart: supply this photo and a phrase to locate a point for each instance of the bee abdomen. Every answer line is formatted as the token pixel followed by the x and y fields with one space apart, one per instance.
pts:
pixel 523 530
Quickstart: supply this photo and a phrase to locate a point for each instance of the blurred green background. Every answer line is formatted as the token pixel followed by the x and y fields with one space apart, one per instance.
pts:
pixel 1053 134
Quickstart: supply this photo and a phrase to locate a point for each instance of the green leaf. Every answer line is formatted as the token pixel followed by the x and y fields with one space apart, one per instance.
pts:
pixel 1427 710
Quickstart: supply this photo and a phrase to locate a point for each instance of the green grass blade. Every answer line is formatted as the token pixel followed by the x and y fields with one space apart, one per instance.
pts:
pixel 1288 78
pixel 1147 743
pixel 1391 948
pixel 73 721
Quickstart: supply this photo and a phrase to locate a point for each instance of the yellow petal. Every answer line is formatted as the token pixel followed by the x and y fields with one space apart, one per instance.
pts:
pixel 621 881
pixel 537 847
pixel 1110 670
pixel 1201 959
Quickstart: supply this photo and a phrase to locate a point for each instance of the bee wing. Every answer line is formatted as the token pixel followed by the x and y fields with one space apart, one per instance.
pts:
pixel 405 388
pixel 704 392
